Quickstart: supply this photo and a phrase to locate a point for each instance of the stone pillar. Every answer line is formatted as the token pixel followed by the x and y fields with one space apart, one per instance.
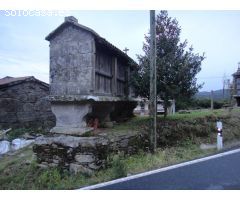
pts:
pixel 70 117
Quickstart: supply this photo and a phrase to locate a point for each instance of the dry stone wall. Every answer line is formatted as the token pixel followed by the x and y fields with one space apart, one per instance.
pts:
pixel 83 154
pixel 25 105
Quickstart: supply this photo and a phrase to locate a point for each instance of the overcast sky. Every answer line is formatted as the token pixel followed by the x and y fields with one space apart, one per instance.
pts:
pixel 24 51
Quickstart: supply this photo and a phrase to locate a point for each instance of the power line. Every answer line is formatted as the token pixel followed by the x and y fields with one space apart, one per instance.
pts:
pixel 212 77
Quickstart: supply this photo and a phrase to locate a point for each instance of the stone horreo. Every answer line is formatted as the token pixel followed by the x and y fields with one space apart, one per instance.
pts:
pixel 89 79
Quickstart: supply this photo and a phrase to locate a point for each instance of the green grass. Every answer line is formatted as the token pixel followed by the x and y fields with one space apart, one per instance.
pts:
pixel 23 154
pixel 165 157
pixel 17 173
pixel 132 124
pixel 174 127
pixel 198 114
pixel 136 122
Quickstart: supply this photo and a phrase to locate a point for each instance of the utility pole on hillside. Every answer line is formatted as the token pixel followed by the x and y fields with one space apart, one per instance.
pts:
pixel 153 87
pixel 211 100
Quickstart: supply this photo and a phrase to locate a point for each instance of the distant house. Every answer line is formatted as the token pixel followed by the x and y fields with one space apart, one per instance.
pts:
pixel 143 107
pixel 23 103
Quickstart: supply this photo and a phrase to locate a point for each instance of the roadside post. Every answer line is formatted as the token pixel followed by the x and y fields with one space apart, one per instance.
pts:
pixel 212 100
pixel 219 135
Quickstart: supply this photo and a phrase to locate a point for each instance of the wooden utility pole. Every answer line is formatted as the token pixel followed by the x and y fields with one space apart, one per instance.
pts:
pixel 153 87
pixel 211 100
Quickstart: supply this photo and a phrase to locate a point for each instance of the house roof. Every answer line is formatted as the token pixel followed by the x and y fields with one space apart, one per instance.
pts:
pixel 237 73
pixel 73 21
pixel 10 81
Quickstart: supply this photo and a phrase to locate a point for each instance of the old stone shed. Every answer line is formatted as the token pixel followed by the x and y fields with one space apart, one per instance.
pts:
pixel 88 77
pixel 23 103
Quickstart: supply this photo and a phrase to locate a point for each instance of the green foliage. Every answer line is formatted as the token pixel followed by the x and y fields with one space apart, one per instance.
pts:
pixel 18 132
pixel 22 176
pixel 164 157
pixel 205 103
pixel 175 129
pixel 218 95
pixel 177 66
pixel 15 173
pixel 118 166
pixel 183 104
pixel 15 133
pixel 219 104
pixel 49 179
pixel 88 134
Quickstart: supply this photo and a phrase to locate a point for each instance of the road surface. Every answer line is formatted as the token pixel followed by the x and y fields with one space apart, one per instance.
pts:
pixel 220 171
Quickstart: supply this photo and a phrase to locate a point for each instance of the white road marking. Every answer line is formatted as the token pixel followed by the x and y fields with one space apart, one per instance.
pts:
pixel 159 170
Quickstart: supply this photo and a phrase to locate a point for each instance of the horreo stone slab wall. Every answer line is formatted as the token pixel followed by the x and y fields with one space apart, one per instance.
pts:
pixel 71 62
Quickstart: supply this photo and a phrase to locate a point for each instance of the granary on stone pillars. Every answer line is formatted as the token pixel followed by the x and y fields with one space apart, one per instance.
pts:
pixel 236 85
pixel 89 78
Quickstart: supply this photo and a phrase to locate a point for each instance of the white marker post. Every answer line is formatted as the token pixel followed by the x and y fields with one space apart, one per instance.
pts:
pixel 219 136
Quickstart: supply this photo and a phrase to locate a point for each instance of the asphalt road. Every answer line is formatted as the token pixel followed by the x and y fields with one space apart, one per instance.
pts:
pixel 216 173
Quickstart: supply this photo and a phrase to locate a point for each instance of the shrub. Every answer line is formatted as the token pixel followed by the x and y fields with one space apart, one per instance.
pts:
pixel 118 166
pixel 15 133
pixel 18 132
pixel 206 103
pixel 49 179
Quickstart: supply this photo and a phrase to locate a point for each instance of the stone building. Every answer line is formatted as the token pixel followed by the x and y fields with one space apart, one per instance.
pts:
pixel 89 78
pixel 236 85
pixel 23 103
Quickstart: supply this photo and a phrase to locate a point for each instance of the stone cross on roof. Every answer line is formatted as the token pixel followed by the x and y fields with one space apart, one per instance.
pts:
pixel 71 19
pixel 126 50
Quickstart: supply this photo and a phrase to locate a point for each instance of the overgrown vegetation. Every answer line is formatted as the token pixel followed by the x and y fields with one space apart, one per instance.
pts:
pixel 20 171
pixel 19 132
pixel 21 175
pixel 201 104
pixel 176 128
pixel 118 166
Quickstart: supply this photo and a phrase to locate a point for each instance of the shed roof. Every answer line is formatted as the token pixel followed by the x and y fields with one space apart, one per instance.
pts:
pixel 10 81
pixel 73 21
pixel 237 73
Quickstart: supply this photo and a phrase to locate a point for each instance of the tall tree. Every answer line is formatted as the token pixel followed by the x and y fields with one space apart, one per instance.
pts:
pixel 177 65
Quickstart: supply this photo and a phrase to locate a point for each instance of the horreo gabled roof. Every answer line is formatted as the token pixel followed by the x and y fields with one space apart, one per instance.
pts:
pixel 74 22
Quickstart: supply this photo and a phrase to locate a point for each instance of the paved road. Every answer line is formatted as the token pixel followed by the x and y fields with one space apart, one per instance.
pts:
pixel 216 173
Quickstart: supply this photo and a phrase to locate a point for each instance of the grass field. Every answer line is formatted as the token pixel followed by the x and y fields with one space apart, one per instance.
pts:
pixel 20 171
